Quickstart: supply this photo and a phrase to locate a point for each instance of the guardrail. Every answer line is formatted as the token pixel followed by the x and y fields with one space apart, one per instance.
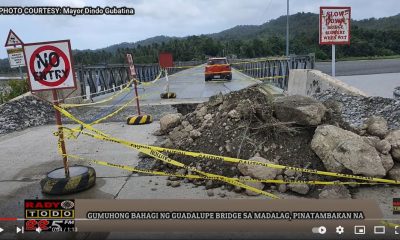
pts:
pixel 103 79
pixel 274 70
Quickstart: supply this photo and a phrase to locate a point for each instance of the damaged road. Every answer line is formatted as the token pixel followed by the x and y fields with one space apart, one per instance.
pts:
pixel 248 124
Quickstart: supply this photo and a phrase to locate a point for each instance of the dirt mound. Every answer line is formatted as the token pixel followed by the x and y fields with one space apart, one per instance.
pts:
pixel 293 131
pixel 242 124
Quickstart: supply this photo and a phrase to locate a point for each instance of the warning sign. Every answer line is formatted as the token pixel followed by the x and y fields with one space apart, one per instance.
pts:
pixel 334 25
pixel 13 40
pixel 16 57
pixel 165 60
pixel 50 65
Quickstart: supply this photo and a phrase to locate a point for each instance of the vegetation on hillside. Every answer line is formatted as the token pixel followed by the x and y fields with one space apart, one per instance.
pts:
pixel 370 37
pixel 12 88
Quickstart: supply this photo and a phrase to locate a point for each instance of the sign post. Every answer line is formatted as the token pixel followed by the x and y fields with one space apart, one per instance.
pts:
pixel 61 134
pixel 132 73
pixel 139 119
pixel 50 68
pixel 166 61
pixel 334 29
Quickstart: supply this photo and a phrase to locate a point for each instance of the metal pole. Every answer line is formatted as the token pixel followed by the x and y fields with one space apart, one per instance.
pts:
pixel 287 28
pixel 61 134
pixel 137 97
pixel 20 72
pixel 333 60
pixel 166 78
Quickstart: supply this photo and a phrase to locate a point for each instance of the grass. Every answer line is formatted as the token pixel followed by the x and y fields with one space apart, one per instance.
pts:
pixel 16 88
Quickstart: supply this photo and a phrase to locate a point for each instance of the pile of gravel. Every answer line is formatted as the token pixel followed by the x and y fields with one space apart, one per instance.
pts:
pixel 23 113
pixel 355 110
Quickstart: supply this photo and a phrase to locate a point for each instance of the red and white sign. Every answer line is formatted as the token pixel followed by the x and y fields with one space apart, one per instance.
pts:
pixel 165 60
pixel 334 25
pixel 50 65
pixel 13 39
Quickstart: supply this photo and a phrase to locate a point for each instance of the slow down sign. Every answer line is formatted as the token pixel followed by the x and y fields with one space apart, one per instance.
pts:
pixel 49 65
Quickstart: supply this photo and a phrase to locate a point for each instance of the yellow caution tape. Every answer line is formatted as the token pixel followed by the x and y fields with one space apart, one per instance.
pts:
pixel 162 157
pixel 102 136
pixel 126 88
pixel 152 82
pixel 180 67
pixel 191 176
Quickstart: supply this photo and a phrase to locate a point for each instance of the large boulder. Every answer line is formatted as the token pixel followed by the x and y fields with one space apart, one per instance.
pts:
pixel 394 139
pixel 299 109
pixel 258 172
pixel 340 149
pixel 170 121
pixel 394 173
pixel 383 146
pixel 300 188
pixel 387 161
pixel 377 126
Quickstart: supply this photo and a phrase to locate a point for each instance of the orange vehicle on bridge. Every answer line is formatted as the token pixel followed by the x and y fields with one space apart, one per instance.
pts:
pixel 218 68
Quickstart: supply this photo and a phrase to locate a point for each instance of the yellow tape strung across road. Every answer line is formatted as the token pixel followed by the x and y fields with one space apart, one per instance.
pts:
pixel 182 67
pixel 151 82
pixel 157 155
pixel 112 114
pixel 102 136
pixel 191 176
pixel 126 88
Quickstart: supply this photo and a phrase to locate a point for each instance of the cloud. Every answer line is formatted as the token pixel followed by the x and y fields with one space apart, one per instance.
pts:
pixel 164 17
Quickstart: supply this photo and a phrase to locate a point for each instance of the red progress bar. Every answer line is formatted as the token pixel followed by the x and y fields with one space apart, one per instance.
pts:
pixel 8 219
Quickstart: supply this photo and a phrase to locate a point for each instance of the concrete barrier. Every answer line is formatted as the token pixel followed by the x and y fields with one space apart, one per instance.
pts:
pixel 307 82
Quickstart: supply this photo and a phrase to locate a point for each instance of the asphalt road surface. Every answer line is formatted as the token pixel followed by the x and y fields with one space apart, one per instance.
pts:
pixel 188 84
pixel 363 67
pixel 381 85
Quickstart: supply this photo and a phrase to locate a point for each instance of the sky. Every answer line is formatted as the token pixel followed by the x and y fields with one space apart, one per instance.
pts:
pixel 164 17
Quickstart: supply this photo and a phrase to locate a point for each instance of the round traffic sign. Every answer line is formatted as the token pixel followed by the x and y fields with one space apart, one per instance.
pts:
pixel 49 57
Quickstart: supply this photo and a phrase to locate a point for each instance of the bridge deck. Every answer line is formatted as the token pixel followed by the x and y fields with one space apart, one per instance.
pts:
pixel 189 86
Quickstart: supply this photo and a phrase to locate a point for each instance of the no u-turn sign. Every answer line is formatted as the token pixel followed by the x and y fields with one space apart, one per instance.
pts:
pixel 49 65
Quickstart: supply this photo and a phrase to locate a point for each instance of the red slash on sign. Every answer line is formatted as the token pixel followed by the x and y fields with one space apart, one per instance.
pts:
pixel 49 61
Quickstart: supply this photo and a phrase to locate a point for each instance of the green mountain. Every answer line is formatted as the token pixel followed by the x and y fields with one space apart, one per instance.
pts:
pixel 370 37
pixel 386 23
pixel 300 23
pixel 149 41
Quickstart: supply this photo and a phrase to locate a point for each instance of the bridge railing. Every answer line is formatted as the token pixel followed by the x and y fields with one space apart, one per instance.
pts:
pixel 106 78
pixel 274 70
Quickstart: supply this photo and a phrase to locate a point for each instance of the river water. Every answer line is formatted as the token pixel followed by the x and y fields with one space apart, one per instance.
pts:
pixel 374 84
